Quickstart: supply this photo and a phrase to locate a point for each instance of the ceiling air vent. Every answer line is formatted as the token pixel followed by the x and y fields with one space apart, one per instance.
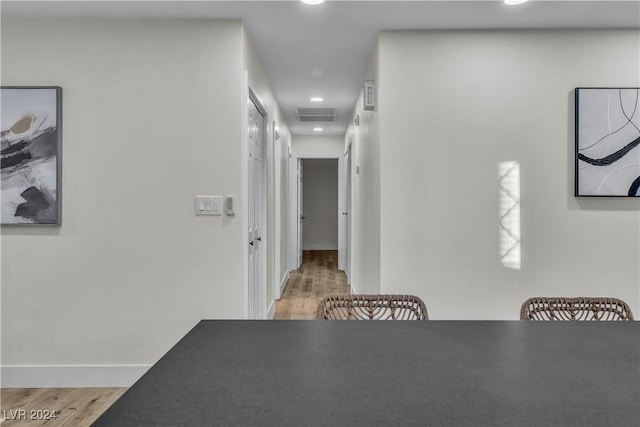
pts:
pixel 316 114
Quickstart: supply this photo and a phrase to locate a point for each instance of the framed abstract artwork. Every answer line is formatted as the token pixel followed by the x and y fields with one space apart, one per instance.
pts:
pixel 31 139
pixel 607 152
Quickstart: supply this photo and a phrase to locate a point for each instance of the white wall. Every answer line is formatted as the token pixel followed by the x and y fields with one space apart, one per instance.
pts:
pixel 365 192
pixel 152 117
pixel 455 104
pixel 320 204
pixel 317 147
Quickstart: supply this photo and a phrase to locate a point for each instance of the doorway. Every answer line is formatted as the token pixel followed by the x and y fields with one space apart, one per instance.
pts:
pixel 314 256
pixel 319 204
pixel 304 235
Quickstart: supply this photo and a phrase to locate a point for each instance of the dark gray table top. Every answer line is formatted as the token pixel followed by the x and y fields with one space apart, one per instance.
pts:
pixel 391 373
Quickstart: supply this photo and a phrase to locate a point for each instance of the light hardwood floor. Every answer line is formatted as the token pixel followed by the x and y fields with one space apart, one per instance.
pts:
pixel 317 278
pixel 79 407
pixel 71 407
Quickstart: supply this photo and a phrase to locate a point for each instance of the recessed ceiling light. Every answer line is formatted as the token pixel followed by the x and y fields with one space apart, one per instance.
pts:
pixel 317 129
pixel 513 2
pixel 316 99
pixel 312 1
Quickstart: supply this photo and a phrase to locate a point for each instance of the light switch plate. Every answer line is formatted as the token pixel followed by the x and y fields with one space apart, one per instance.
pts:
pixel 208 205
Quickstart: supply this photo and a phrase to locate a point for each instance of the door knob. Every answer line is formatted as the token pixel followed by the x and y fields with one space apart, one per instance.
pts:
pixel 345 213
pixel 251 243
pixel 259 239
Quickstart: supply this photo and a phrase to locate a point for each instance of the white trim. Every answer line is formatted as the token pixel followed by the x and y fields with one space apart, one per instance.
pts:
pixel 319 247
pixel 317 156
pixel 287 207
pixel 244 178
pixel 277 208
pixel 294 218
pixel 342 232
pixel 348 146
pixel 299 211
pixel 347 175
pixel 283 282
pixel 293 212
pixel 59 376
pixel 257 101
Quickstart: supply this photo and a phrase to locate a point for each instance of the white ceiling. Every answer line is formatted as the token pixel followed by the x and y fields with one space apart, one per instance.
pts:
pixel 324 50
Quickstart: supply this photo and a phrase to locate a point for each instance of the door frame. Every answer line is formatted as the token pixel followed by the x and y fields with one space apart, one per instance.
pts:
pixel 300 210
pixel 344 205
pixel 293 194
pixel 250 95
pixel 293 211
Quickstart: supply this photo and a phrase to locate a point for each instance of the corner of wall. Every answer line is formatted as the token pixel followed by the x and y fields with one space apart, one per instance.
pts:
pixel 277 242
pixel 366 172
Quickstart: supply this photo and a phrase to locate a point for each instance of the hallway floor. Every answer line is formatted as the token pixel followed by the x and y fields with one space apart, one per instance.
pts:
pixel 319 276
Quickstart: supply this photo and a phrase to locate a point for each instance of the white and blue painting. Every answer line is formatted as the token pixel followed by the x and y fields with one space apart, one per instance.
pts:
pixel 608 142
pixel 29 145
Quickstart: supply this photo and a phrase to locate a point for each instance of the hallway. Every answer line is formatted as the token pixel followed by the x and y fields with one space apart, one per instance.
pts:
pixel 318 277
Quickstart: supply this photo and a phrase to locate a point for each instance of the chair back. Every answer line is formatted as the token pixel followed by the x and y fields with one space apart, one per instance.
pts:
pixel 371 307
pixel 581 308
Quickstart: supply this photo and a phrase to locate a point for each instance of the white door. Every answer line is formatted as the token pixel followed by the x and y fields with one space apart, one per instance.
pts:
pixel 300 213
pixel 257 272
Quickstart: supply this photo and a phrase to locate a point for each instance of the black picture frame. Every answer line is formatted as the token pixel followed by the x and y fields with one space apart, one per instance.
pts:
pixel 607 142
pixel 31 148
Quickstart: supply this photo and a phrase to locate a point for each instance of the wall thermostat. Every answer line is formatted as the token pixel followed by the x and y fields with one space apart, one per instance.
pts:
pixel 369 95
pixel 230 207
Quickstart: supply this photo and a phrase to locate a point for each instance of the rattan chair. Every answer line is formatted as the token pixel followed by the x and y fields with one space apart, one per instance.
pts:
pixel 371 307
pixel 582 308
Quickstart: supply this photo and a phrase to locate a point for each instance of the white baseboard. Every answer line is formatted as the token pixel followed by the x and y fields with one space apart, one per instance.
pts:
pixel 272 310
pixel 52 376
pixel 353 289
pixel 319 247
pixel 283 282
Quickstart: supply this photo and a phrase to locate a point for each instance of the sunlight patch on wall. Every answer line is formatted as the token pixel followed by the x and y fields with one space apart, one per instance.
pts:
pixel 509 214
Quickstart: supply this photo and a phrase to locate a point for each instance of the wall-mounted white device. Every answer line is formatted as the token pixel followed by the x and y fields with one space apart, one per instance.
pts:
pixel 369 95
pixel 230 207
pixel 208 205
